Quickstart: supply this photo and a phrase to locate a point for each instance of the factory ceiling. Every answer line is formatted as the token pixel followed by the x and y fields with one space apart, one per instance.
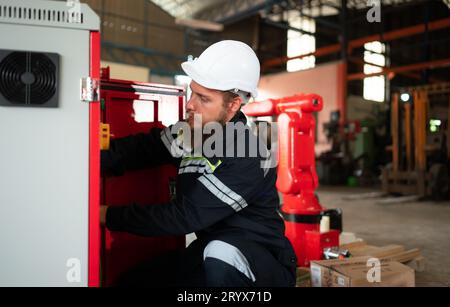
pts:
pixel 226 11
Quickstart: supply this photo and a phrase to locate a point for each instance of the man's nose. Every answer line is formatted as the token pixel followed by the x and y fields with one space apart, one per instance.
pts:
pixel 190 105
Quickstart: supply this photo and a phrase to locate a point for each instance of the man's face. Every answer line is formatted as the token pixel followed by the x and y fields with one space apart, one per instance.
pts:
pixel 209 104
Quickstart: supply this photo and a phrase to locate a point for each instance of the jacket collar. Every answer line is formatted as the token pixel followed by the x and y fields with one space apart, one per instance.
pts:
pixel 239 117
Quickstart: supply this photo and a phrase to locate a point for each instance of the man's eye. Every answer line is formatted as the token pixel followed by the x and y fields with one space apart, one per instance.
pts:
pixel 203 99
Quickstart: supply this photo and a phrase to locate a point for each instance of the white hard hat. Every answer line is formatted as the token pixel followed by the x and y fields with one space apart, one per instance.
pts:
pixel 226 65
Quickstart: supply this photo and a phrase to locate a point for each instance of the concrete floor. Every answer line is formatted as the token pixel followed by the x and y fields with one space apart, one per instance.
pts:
pixel 424 225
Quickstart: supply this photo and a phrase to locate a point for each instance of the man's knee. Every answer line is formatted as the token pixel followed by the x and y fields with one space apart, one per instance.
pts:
pixel 225 265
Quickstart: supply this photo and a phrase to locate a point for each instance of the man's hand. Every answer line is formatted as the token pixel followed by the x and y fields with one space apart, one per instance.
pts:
pixel 103 210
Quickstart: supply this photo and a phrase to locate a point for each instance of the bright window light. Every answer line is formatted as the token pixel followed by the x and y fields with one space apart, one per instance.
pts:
pixel 435 125
pixel 374 87
pixel 144 111
pixel 405 97
pixel 299 43
pixel 183 80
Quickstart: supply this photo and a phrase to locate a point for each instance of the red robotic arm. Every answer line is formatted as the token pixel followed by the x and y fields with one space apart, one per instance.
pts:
pixel 296 171
pixel 297 177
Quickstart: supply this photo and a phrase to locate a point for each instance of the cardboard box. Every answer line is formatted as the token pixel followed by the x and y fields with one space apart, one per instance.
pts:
pixel 361 272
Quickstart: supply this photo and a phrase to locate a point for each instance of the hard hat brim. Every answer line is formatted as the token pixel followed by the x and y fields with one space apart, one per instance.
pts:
pixel 191 69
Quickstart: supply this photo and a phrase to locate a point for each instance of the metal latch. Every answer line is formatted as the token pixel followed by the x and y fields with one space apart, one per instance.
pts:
pixel 336 253
pixel 105 136
pixel 90 90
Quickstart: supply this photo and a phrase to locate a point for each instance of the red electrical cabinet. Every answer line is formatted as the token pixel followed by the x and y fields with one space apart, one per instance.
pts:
pixel 130 108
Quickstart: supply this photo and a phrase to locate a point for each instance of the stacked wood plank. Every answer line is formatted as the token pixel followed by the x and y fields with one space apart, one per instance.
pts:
pixel 412 257
pixel 395 252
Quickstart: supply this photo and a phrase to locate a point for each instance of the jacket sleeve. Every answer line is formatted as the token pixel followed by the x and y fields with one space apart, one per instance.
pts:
pixel 212 198
pixel 138 151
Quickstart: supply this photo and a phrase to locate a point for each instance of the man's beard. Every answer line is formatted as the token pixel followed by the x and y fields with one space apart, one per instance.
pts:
pixel 221 119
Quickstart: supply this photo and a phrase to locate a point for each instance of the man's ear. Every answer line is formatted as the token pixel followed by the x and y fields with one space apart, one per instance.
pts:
pixel 235 104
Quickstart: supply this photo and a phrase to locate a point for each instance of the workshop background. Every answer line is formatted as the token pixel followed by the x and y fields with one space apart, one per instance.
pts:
pixel 382 143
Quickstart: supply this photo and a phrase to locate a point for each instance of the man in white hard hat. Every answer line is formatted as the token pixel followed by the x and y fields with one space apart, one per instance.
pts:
pixel 230 202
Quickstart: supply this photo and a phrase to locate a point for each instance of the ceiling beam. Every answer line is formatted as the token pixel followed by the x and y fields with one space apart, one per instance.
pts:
pixel 385 37
pixel 232 11
pixel 402 69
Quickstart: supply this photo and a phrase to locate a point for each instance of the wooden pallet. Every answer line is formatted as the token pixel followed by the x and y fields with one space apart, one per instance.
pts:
pixel 394 252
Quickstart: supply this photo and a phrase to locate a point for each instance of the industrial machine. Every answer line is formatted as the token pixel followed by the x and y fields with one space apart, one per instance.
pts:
pixel 297 177
pixel 48 137
pixel 354 157
pixel 336 165
pixel 129 108
pixel 50 128
pixel 420 147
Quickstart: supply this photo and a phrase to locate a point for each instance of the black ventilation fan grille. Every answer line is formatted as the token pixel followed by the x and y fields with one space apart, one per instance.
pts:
pixel 28 78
